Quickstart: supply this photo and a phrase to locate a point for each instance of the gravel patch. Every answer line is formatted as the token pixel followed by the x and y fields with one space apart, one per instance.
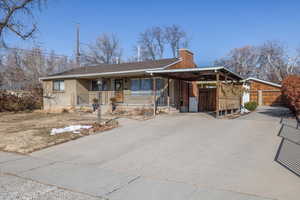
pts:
pixel 15 188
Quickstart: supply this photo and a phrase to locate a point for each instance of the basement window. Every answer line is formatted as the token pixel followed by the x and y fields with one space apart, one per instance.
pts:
pixel 59 85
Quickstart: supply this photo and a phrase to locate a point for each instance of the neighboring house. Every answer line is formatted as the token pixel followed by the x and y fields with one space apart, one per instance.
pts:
pixel 262 92
pixel 167 83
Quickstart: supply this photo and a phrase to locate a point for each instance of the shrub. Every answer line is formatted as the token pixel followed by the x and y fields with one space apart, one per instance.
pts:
pixel 28 100
pixel 252 105
pixel 291 92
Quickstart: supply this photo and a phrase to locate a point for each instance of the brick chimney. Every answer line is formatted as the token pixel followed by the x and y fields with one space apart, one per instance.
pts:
pixel 187 58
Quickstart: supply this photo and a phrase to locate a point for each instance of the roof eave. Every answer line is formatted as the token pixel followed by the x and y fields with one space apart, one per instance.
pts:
pixel 196 69
pixel 107 73
pixel 95 74
pixel 263 81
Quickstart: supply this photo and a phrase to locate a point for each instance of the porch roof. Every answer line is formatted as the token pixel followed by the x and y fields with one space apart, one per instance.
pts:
pixel 198 74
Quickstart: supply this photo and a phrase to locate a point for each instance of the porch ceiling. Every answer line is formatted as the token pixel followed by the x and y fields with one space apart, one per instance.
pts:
pixel 198 74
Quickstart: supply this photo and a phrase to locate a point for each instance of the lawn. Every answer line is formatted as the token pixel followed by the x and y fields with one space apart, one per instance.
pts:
pixel 30 131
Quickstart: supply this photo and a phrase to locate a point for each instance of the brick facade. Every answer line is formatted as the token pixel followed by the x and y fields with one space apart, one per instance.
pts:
pixel 187 60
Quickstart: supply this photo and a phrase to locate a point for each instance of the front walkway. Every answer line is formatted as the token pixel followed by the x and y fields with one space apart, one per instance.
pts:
pixel 170 157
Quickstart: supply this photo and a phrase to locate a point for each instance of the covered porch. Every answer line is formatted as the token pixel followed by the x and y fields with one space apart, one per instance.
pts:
pixel 127 92
pixel 213 89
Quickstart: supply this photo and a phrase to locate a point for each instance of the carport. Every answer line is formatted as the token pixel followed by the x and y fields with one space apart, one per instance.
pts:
pixel 224 97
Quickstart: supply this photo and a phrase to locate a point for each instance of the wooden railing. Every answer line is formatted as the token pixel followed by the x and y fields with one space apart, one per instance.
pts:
pixel 88 98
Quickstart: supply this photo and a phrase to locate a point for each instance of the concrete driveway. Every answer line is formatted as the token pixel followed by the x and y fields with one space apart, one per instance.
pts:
pixel 181 156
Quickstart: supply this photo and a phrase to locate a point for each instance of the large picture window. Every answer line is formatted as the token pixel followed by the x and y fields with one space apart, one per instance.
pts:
pixel 58 85
pixel 141 86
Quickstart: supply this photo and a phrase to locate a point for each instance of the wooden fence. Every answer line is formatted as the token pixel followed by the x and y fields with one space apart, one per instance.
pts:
pixel 229 96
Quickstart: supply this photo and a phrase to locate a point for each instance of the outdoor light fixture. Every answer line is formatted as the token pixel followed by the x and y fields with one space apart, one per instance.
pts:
pixel 99 82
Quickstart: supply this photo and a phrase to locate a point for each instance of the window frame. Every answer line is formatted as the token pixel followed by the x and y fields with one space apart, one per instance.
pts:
pixel 140 91
pixel 59 85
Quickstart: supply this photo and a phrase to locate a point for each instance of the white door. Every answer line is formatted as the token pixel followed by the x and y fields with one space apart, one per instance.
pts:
pixel 246 94
pixel 193 104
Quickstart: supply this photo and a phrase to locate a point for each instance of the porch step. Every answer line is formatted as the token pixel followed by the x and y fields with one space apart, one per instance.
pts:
pixel 166 109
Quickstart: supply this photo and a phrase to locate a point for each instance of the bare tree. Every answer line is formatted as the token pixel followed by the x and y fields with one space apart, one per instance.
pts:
pixel 152 43
pixel 14 73
pixel 293 63
pixel 176 37
pixel 23 68
pixel 241 60
pixel 273 60
pixel 269 61
pixel 105 50
pixel 16 17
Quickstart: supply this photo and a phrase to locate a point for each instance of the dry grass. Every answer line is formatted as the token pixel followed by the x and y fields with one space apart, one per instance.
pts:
pixel 28 132
pixel 136 114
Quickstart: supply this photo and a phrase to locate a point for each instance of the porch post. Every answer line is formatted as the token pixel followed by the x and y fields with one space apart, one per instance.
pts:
pixel 99 108
pixel 154 95
pixel 168 98
pixel 226 109
pixel 217 94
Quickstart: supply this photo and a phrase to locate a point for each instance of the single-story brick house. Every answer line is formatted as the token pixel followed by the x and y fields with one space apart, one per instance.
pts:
pixel 160 84
pixel 263 92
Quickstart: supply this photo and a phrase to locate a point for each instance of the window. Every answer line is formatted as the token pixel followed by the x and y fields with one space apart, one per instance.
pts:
pixel 141 86
pixel 146 84
pixel 58 85
pixel 135 84
pixel 95 86
pixel 160 83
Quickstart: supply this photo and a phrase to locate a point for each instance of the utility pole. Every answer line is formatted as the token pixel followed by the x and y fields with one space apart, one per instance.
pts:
pixel 77 45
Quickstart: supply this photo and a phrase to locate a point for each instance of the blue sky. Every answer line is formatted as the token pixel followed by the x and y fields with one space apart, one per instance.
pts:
pixel 214 27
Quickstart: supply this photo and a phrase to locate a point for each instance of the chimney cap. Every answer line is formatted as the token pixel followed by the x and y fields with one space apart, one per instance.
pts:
pixel 184 49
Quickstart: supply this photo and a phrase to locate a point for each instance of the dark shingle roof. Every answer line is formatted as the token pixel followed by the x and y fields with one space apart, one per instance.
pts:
pixel 106 68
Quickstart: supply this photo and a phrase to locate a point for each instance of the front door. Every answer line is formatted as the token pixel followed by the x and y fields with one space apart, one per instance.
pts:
pixel 119 90
pixel 207 99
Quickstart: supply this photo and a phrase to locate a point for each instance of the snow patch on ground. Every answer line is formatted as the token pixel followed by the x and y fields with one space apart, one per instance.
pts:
pixel 244 110
pixel 72 128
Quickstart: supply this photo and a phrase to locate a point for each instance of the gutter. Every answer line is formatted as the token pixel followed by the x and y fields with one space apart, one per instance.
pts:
pixel 195 70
